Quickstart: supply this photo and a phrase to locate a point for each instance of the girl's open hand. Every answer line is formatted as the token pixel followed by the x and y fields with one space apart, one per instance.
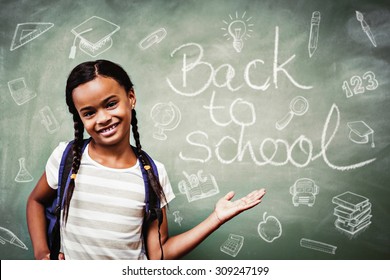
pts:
pixel 225 209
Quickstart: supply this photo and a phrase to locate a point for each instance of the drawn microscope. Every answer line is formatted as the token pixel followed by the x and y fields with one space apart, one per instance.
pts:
pixel 304 191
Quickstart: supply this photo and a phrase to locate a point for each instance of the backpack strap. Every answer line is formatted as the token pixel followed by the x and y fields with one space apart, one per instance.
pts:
pixel 152 202
pixel 150 196
pixel 64 177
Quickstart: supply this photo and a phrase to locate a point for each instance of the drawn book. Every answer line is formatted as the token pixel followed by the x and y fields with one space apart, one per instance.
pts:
pixel 350 201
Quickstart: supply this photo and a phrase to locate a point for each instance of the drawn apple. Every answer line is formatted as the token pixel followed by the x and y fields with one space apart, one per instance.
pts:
pixel 270 228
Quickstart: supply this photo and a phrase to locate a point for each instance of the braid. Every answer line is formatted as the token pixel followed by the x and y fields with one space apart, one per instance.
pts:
pixel 76 152
pixel 134 126
pixel 153 181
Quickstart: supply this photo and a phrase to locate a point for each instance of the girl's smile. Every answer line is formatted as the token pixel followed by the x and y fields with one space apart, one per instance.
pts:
pixel 109 131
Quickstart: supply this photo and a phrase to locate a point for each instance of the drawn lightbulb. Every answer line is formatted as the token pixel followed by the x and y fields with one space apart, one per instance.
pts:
pixel 237 29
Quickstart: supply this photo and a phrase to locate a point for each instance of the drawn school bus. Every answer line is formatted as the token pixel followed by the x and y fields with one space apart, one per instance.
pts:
pixel 304 191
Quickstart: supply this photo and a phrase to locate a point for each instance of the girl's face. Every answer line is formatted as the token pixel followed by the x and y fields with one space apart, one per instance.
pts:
pixel 105 110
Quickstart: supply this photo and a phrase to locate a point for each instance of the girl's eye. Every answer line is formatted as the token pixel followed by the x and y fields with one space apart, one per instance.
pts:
pixel 88 114
pixel 111 104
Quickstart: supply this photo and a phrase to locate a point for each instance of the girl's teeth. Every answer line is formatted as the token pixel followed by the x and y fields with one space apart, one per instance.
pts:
pixel 108 129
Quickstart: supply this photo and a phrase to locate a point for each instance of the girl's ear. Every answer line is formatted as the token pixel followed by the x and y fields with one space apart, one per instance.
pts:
pixel 132 98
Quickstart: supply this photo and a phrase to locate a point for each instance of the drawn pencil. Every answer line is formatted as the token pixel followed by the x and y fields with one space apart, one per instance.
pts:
pixel 314 31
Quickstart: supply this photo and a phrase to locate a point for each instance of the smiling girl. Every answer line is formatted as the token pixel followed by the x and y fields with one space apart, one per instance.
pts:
pixel 105 205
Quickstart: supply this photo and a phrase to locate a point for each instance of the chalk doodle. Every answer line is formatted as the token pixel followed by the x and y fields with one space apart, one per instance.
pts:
pixel 197 186
pixel 353 213
pixel 154 38
pixel 95 36
pixel 361 133
pixel 20 92
pixel 269 228
pixel 318 246
pixel 23 175
pixel 238 29
pixel 7 236
pixel 314 32
pixel 28 31
pixel 178 218
pixel 232 246
pixel 360 85
pixel 166 116
pixel 48 120
pixel 304 192
pixel 365 27
pixel 298 107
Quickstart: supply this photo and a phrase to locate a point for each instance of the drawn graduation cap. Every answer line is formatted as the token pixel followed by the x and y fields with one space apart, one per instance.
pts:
pixel 28 31
pixel 95 36
pixel 361 133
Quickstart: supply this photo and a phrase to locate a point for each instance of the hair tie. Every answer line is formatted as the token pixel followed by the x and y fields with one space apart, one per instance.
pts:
pixel 147 167
pixel 73 176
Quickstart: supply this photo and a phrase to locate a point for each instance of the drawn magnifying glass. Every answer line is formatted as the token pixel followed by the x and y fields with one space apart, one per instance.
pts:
pixel 298 106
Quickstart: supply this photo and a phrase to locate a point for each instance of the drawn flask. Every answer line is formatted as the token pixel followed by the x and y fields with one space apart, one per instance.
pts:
pixel 23 175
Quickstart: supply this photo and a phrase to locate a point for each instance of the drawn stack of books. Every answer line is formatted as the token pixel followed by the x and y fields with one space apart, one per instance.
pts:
pixel 353 212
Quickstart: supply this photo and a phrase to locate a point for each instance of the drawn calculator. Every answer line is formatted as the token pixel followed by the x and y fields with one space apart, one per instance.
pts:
pixel 232 245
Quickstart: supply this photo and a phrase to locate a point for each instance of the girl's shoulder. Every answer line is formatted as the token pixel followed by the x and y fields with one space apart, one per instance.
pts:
pixel 60 148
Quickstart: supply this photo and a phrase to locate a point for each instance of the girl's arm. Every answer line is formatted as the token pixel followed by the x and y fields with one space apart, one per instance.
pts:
pixel 36 220
pixel 177 246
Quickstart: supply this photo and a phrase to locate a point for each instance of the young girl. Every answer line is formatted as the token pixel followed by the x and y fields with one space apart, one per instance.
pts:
pixel 104 207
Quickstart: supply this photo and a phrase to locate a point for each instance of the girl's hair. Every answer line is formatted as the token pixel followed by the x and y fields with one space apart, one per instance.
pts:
pixel 81 74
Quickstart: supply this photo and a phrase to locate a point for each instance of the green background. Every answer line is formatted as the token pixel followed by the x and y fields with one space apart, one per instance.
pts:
pixel 278 32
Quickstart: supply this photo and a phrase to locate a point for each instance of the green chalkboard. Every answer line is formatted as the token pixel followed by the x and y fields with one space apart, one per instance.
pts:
pixel 288 95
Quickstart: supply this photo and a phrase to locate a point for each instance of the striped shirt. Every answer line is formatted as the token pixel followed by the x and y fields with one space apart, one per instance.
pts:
pixel 106 211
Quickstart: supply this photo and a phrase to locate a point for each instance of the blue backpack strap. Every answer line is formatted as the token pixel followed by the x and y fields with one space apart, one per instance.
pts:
pixel 65 171
pixel 64 174
pixel 152 212
pixel 146 183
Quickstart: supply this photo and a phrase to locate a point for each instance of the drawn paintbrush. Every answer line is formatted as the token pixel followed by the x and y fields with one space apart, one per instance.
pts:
pixel 365 27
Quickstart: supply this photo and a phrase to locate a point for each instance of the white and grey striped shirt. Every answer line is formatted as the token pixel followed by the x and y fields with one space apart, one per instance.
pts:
pixel 106 210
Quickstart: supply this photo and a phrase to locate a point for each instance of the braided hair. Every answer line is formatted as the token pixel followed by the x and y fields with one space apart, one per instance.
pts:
pixel 81 74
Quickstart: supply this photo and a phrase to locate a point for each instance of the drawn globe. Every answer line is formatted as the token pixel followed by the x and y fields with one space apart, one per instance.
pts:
pixel 163 114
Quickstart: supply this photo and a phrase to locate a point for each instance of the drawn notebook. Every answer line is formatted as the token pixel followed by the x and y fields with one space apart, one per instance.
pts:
pixel 350 200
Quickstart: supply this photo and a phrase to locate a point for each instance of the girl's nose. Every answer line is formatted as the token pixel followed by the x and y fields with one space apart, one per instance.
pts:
pixel 103 117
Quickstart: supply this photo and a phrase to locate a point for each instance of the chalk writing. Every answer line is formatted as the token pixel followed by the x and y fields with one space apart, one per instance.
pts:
pixel 269 147
pixel 369 82
pixel 201 66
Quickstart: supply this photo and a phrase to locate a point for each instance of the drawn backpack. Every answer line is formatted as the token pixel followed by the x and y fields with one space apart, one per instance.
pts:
pixel 53 211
